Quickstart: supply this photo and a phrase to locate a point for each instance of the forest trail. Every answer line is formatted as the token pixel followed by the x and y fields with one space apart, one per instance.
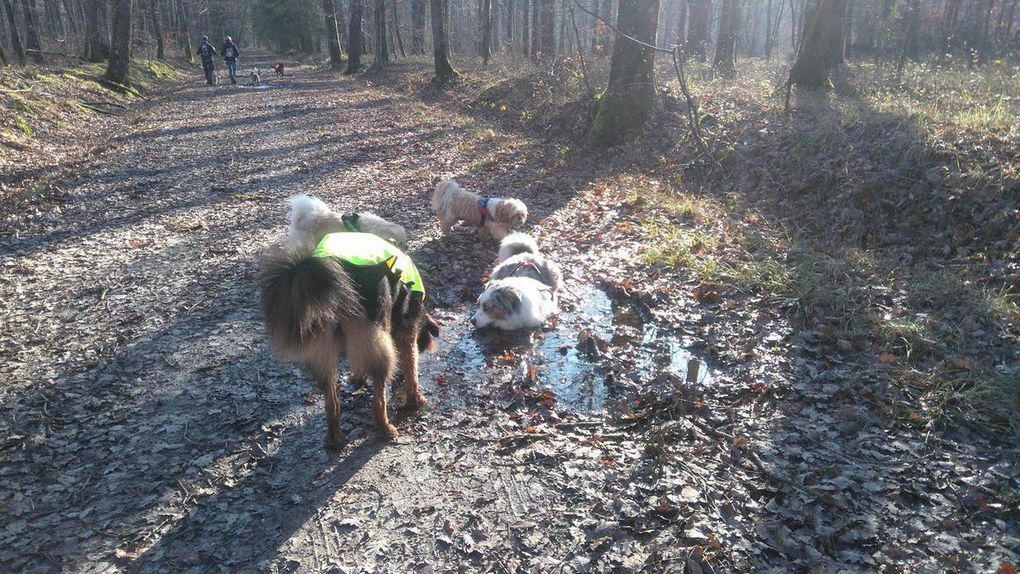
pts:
pixel 145 420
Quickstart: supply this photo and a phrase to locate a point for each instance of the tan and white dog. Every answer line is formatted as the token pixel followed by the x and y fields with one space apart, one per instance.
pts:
pixel 492 216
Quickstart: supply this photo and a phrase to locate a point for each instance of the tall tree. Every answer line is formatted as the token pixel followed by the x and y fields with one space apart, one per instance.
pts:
pixel 526 27
pixel 510 26
pixel 628 100
pixel 441 41
pixel 485 30
pixel 417 26
pixel 821 48
pixel 357 40
pixel 32 43
pixel 12 25
pixel 98 47
pixel 382 51
pixel 336 52
pixel 396 29
pixel 120 45
pixel 157 28
pixel 185 31
pixel 548 28
pixel 697 28
pixel 536 34
pixel 726 41
pixel 681 22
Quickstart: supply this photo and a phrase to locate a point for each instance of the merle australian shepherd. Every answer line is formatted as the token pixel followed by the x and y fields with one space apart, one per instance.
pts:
pixel 319 309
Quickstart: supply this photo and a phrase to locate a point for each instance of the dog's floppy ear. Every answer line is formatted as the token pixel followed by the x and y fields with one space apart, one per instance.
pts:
pixel 507 298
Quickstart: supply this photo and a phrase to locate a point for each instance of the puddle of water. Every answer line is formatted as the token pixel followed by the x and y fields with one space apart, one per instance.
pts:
pixel 593 337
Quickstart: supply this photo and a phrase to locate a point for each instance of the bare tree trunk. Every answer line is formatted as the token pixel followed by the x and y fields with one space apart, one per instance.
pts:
pixel 336 51
pixel 441 42
pixel 821 49
pixel 628 100
pixel 72 21
pixel 768 31
pixel 157 28
pixel 189 54
pixel 548 29
pixel 697 30
pixel 509 27
pixel 357 40
pixel 485 30
pixel 681 22
pixel 526 27
pixel 382 50
pixel 536 35
pixel 120 43
pixel 418 26
pixel 726 43
pixel 12 24
pixel 396 30
pixel 31 31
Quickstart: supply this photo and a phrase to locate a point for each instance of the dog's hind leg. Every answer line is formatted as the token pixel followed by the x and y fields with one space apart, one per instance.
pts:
pixel 322 362
pixel 407 354
pixel 370 354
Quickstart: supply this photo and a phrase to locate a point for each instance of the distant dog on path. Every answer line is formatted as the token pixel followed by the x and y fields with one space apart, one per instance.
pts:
pixel 522 289
pixel 350 295
pixel 492 216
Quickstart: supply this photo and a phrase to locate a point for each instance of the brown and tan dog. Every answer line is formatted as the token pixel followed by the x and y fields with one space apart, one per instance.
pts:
pixel 492 216
pixel 333 301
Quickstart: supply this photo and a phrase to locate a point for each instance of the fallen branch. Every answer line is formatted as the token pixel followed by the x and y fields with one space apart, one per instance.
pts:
pixel 97 109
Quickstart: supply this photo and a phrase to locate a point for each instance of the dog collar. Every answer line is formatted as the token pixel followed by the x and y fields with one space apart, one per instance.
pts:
pixel 483 209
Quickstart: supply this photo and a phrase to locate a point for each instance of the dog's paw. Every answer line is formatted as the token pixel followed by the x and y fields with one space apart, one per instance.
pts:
pixel 390 432
pixel 415 402
pixel 335 442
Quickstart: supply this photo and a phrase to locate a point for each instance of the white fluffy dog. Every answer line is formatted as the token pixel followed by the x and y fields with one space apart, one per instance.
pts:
pixel 310 219
pixel 492 216
pixel 522 289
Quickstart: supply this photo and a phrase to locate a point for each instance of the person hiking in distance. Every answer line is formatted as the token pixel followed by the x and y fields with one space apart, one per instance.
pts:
pixel 207 53
pixel 230 54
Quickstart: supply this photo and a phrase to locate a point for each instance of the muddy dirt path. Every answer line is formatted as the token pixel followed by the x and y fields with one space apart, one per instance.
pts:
pixel 146 426
pixel 145 420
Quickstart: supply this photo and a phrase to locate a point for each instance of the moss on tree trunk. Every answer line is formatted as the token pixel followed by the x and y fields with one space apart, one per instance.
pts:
pixel 630 96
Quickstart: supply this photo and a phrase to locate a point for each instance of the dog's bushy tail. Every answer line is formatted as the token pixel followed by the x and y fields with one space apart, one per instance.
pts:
pixel 516 243
pixel 442 188
pixel 304 297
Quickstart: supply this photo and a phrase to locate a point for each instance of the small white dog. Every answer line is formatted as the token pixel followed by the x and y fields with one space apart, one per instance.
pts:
pixel 310 219
pixel 492 216
pixel 523 286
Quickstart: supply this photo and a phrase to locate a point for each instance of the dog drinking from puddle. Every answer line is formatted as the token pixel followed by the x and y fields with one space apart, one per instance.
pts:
pixel 351 295
pixel 492 216
pixel 522 288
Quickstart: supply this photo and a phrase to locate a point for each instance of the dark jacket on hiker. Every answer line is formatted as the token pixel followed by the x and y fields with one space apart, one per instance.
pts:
pixel 207 52
pixel 230 52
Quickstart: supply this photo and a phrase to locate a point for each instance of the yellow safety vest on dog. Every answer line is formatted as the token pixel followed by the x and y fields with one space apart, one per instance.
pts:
pixel 365 249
